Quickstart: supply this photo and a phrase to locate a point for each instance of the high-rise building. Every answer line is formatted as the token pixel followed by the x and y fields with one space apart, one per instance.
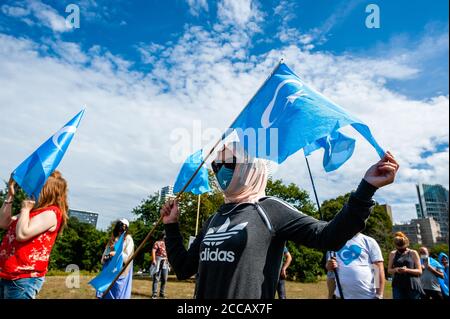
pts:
pixel 388 209
pixel 84 216
pixel 433 202
pixel 166 193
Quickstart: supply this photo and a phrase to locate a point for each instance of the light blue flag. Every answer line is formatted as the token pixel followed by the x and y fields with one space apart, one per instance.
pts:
pixel 32 174
pixel 444 282
pixel 338 148
pixel 286 115
pixel 200 184
pixel 438 266
pixel 111 269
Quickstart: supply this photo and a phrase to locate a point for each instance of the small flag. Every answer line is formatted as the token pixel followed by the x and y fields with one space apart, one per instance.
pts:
pixel 110 269
pixel 200 184
pixel 32 174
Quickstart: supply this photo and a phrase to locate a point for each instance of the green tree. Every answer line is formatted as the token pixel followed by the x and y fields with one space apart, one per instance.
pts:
pixel 80 244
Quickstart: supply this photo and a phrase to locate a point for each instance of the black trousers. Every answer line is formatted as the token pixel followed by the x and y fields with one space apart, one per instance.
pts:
pixel 432 294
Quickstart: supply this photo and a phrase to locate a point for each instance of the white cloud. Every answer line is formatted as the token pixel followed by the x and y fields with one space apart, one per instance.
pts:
pixel 16 12
pixel 308 39
pixel 36 12
pixel 240 13
pixel 197 6
pixel 122 150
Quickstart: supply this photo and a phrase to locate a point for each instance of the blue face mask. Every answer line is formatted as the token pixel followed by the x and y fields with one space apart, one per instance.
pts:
pixel 224 176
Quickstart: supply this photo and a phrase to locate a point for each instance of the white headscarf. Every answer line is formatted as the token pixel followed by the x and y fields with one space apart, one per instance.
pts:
pixel 249 180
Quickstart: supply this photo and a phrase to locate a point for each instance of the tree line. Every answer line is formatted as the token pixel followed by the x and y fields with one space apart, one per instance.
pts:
pixel 82 244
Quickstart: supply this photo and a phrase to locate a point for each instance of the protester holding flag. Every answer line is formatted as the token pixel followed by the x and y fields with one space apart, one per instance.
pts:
pixel 26 247
pixel 238 253
pixel 361 269
pixel 443 260
pixel 432 275
pixel 118 250
pixel 404 265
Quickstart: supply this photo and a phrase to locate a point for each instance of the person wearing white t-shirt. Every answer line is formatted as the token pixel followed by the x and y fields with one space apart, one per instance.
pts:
pixel 360 269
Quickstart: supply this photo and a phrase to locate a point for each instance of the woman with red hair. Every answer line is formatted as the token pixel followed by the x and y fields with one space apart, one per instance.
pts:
pixel 31 234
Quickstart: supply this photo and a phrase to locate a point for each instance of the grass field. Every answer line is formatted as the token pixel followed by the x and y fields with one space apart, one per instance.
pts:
pixel 55 288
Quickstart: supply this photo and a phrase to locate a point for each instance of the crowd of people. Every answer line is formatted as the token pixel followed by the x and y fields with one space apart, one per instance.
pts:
pixel 360 266
pixel 241 250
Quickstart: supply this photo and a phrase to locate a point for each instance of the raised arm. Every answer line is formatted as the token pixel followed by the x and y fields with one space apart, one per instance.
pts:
pixel 306 230
pixel 27 228
pixel 6 209
pixel 184 262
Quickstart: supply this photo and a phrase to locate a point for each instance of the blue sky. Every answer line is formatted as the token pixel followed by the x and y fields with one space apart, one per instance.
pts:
pixel 122 26
pixel 166 64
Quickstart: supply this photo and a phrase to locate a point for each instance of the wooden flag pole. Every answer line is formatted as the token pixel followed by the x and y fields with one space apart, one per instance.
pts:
pixel 149 235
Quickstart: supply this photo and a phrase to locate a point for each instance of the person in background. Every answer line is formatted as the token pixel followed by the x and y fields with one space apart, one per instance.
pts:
pixel 432 271
pixel 404 265
pixel 443 260
pixel 161 266
pixel 361 269
pixel 281 288
pixel 30 237
pixel 122 287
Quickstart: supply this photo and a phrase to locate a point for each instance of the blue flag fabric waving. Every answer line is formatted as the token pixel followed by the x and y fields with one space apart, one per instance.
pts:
pixel 438 266
pixel 444 282
pixel 110 269
pixel 338 148
pixel 200 184
pixel 32 174
pixel 286 115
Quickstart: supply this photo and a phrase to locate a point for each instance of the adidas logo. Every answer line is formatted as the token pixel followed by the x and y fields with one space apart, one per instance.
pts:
pixel 217 238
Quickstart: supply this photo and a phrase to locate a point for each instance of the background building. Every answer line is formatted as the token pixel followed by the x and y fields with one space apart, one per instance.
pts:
pixel 166 193
pixel 423 231
pixel 84 216
pixel 411 230
pixel 433 202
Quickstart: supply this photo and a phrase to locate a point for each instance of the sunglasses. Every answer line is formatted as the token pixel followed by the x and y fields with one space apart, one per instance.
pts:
pixel 217 165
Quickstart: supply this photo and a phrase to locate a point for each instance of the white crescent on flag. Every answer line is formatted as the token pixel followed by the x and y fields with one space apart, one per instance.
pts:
pixel 65 129
pixel 265 119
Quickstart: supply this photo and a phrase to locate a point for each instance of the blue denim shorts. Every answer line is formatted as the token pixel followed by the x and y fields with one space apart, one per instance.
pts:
pixel 25 288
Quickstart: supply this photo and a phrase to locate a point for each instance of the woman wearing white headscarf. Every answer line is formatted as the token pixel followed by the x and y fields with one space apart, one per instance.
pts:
pixel 239 251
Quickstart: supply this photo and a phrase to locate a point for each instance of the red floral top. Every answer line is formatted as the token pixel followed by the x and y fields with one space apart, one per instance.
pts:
pixel 30 258
pixel 160 248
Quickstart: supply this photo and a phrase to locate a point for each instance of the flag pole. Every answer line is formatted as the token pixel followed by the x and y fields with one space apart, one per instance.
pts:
pixel 186 185
pixel 314 187
pixel 198 214
pixel 336 275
